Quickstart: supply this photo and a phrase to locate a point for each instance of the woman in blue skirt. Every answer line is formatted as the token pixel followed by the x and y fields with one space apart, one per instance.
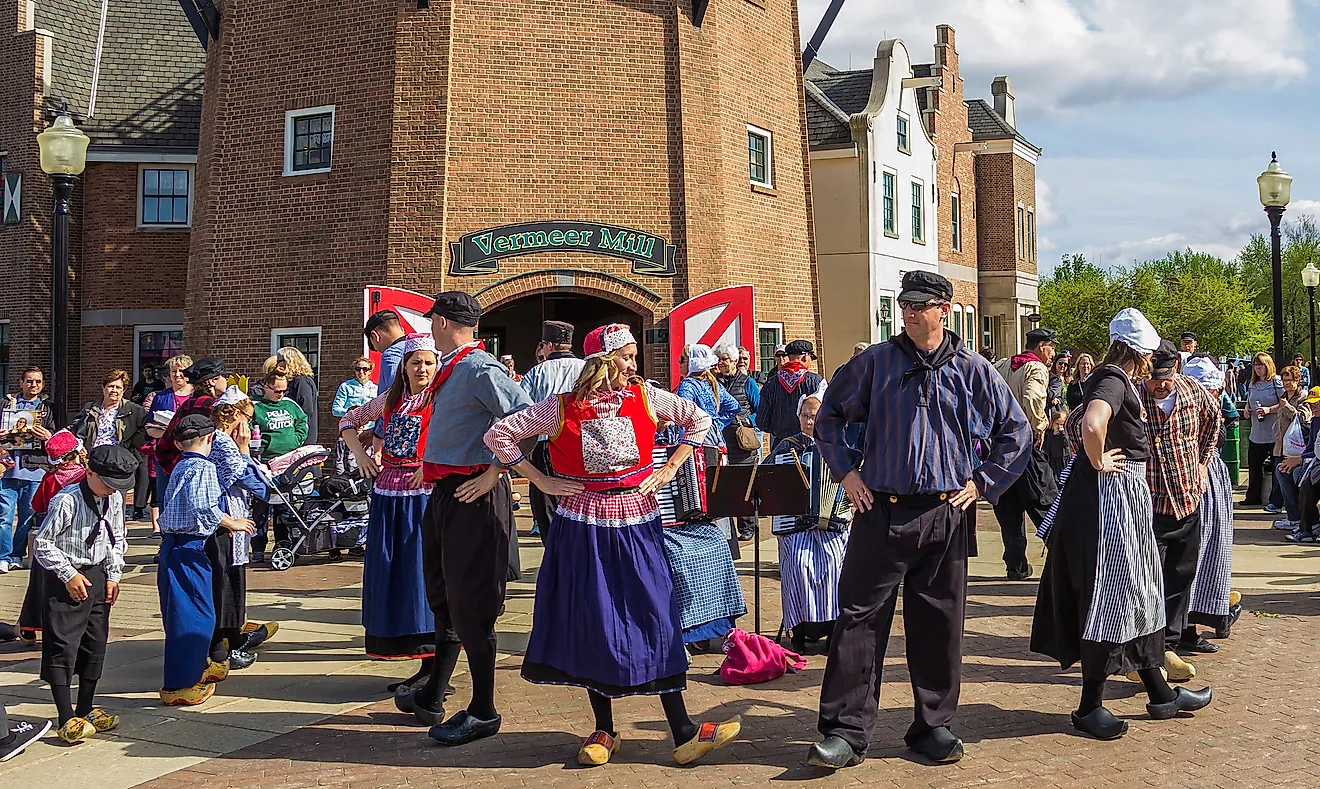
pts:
pixel 606 616
pixel 395 613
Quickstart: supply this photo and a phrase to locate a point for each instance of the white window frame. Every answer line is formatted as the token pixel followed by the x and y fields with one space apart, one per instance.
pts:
pixel 969 322
pixel 137 344
pixel 887 328
pixel 779 328
pixel 887 176
pixel 293 115
pixel 919 208
pixel 769 137
pixel 1021 230
pixel 192 182
pixel 1031 233
pixel 955 203
pixel 903 118
pixel 957 313
pixel 276 334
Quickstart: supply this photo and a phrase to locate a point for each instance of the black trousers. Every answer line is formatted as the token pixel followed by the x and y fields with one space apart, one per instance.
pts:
pixel 1032 494
pixel 543 504
pixel 142 484
pixel 262 513
pixel 465 560
pixel 1179 541
pixel 73 633
pixel 740 457
pixel 922 544
pixel 1257 454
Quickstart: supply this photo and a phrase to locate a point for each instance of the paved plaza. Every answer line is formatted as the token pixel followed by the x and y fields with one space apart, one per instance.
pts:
pixel 313 711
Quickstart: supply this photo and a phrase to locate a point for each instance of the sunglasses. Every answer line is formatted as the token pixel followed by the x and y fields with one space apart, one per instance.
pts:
pixel 362 369
pixel 918 305
pixel 279 392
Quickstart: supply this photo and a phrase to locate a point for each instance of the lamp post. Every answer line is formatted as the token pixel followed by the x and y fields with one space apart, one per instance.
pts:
pixel 63 157
pixel 1311 278
pixel 1275 189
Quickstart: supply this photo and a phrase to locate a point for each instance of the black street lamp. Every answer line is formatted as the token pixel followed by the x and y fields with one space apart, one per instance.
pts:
pixel 1275 189
pixel 1310 279
pixel 63 158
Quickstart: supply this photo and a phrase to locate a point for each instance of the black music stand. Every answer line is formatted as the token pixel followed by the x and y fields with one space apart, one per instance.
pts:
pixel 739 491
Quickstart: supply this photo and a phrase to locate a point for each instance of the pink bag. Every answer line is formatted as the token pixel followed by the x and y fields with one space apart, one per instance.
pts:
pixel 750 659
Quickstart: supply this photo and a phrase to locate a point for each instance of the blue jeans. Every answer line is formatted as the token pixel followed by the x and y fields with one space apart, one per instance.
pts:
pixel 15 499
pixel 1287 484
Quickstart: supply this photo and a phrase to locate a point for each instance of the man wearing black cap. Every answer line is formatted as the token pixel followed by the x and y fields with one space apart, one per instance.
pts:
pixel 943 430
pixel 556 375
pixel 777 413
pixel 467 529
pixel 209 378
pixel 80 548
pixel 1028 377
pixel 1182 420
pixel 1188 342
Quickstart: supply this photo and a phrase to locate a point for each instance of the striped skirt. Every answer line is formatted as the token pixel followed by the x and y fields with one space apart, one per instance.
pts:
pixel 1101 597
pixel 1214 564
pixel 809 565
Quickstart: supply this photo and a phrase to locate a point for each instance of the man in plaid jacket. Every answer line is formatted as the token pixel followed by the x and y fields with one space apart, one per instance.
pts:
pixel 1183 422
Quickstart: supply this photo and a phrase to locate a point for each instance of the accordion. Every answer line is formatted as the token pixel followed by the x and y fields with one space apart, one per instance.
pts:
pixel 684 498
pixel 828 507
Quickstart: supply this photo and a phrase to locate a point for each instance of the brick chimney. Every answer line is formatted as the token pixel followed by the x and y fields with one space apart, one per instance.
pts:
pixel 1002 90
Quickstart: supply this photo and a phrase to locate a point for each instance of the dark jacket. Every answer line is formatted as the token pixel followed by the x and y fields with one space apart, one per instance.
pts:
pixel 302 390
pixel 130 425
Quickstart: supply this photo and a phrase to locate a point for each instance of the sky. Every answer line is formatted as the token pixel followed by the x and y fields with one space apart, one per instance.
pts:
pixel 1155 116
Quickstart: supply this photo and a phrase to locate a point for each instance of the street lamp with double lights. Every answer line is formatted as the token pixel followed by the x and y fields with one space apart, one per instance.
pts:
pixel 63 158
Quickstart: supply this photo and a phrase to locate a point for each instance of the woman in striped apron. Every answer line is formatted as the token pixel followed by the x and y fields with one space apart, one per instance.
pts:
pixel 1101 599
pixel 1212 602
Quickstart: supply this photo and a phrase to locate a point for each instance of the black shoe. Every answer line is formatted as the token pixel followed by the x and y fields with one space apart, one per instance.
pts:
pixel 1100 723
pixel 427 716
pixel 1198 645
pixel 240 659
pixel 254 639
pixel 1227 630
pixel 833 753
pixel 403 699
pixel 463 729
pixel 1014 575
pixel 939 745
pixel 1184 700
pixel 258 557
pixel 746 535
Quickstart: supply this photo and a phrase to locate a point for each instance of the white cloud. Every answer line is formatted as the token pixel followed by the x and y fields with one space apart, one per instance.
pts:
pixel 1046 216
pixel 1065 54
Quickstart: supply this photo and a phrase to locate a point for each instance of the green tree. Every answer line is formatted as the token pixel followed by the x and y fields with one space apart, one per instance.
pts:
pixel 1301 244
pixel 1182 291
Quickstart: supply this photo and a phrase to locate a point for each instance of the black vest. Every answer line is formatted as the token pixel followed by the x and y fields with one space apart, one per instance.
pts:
pixel 737 386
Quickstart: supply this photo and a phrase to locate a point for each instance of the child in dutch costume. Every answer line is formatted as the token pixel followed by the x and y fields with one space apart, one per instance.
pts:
pixel 606 616
pixel 190 514
pixel 80 550
pixel 68 461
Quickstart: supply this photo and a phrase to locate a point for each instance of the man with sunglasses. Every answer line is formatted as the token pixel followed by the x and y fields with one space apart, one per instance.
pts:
pixel 942 430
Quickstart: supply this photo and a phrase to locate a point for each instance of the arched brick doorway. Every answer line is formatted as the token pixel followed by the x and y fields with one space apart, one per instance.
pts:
pixel 514 309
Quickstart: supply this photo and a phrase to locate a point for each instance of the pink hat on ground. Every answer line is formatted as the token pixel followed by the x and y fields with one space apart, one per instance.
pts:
pixel 607 339
pixel 61 444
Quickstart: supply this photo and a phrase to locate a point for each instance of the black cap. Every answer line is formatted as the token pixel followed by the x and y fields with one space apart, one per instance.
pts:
pixel 557 332
pixel 1164 362
pixel 457 306
pixel 378 319
pixel 1187 335
pixel 1041 334
pixel 206 369
pixel 923 287
pixel 193 426
pixel 115 465
pixel 800 348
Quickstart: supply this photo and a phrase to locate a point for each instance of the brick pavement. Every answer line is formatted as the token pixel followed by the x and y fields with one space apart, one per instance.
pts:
pixel 1261 731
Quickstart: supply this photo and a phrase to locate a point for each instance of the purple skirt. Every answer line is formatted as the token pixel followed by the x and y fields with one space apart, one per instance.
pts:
pixel 606 617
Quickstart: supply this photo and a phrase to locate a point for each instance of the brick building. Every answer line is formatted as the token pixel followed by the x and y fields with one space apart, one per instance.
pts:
pixel 392 143
pixel 140 102
pixel 863 162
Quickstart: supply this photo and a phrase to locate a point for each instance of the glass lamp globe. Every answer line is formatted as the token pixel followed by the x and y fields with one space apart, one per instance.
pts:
pixel 1310 275
pixel 1275 185
pixel 63 148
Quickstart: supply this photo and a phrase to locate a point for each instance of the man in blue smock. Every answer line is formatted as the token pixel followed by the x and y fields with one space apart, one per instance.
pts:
pixel 942 430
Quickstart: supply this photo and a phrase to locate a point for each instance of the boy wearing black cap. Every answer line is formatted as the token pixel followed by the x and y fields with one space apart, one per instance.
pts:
pixel 189 515
pixel 468 524
pixel 777 413
pixel 80 548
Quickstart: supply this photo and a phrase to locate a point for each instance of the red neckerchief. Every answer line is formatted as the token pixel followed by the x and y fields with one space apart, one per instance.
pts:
pixel 791 374
pixel 448 368
pixel 437 471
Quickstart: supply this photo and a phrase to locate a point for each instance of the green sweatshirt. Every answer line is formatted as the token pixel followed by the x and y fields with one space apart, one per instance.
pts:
pixel 283 426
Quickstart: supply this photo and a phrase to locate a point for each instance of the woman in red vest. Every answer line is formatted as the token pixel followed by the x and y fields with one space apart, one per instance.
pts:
pixel 606 617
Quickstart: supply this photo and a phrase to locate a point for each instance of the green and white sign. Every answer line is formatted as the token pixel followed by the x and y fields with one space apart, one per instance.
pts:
pixel 480 252
pixel 13 198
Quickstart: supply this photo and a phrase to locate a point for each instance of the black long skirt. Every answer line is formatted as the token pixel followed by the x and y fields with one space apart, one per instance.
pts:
pixel 228 581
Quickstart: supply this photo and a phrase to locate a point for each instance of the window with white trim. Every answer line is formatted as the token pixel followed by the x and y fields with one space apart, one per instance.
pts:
pixel 760 156
pixel 153 345
pixel 918 223
pixel 308 140
pixel 885 317
pixel 1031 234
pixel 969 324
pixel 165 196
pixel 890 187
pixel 955 203
pixel 1021 230
pixel 306 339
pixel 904 142
pixel 958 320
pixel 769 336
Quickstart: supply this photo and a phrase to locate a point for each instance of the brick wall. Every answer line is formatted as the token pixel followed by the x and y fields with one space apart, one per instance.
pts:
pixel 955 170
pixel 996 211
pixel 461 117
pixel 1024 191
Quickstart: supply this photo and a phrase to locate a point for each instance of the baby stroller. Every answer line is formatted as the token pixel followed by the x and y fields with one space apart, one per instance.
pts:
pixel 320 513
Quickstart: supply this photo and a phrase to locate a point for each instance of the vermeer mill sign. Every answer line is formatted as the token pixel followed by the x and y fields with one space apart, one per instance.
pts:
pixel 481 252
